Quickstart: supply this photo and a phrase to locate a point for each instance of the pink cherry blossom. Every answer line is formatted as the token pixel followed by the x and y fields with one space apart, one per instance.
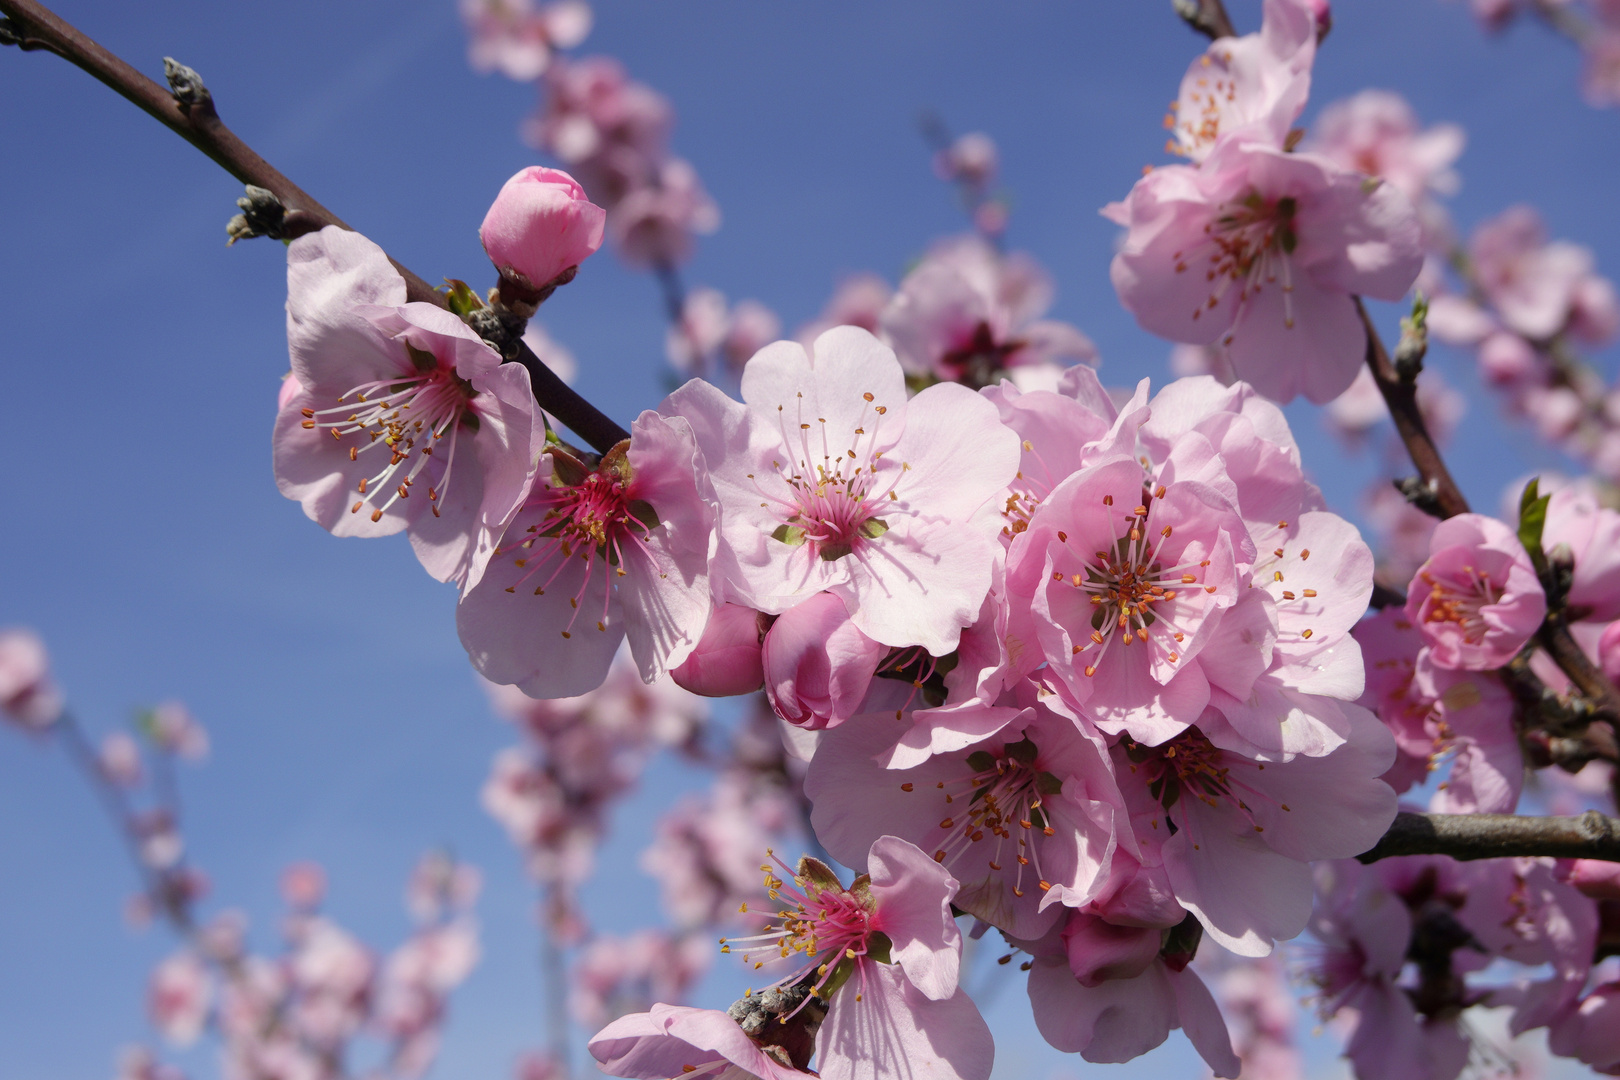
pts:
pixel 969 808
pixel 1116 1019
pixel 609 130
pixel 970 159
pixel 706 851
pixel 1591 531
pixel 1254 86
pixel 180 997
pixel 711 334
pixel 171 726
pixel 28 694
pixel 1258 1003
pixel 969 314
pixel 884 502
pixel 397 399
pixel 616 976
pixel 540 226
pixel 595 557
pixel 1530 282
pixel 655 224
pixel 1477 600
pixel 728 658
pixel 1261 250
pixel 674 1040
pixel 1376 133
pixel 858 300
pixel 818 664
pixel 120 760
pixel 512 37
pixel 890 1017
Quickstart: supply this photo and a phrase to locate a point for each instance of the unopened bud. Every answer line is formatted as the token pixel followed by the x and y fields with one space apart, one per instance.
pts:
pixel 540 226
pixel 262 215
pixel 1423 494
pixel 185 84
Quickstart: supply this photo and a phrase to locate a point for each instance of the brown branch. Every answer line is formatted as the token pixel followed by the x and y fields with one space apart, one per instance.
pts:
pixel 31 26
pixel 1400 395
pixel 1208 17
pixel 1497 836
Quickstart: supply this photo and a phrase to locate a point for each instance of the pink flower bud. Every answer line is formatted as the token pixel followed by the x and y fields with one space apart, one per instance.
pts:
pixel 817 664
pixel 1507 358
pixel 726 660
pixel 1099 950
pixel 541 225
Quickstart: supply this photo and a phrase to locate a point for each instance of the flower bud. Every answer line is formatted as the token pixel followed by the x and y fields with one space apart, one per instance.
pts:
pixel 27 693
pixel 726 660
pixel 1100 950
pixel 818 664
pixel 541 225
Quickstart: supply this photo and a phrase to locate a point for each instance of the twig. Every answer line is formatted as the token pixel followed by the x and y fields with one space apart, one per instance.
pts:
pixel 1208 17
pixel 1497 836
pixel 31 26
pixel 1400 396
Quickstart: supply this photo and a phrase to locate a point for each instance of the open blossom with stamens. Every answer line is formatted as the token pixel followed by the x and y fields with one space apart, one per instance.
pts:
pixel 1261 251
pixel 829 480
pixel 884 954
pixel 396 416
pixel 596 556
pixel 1255 85
pixel 1477 600
pixel 1020 817
pixel 1236 836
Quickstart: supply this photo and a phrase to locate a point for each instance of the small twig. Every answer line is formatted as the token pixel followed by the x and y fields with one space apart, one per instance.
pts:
pixel 1497 836
pixel 189 111
pixel 1208 17
pixel 1400 396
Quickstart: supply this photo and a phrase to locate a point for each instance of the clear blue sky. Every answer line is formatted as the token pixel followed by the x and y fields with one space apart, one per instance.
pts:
pixel 141 531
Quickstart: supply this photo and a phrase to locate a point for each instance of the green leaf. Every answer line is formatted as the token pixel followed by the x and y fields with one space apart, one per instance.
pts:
pixel 1532 520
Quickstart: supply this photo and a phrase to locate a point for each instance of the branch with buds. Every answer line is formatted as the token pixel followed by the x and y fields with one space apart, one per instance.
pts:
pixel 187 109
pixel 1499 836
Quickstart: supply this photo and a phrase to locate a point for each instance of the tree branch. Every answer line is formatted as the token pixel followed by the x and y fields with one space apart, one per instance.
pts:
pixel 31 26
pixel 1208 17
pixel 1496 836
pixel 1400 396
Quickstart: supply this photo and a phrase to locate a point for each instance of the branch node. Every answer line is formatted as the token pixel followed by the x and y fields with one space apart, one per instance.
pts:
pixel 186 85
pixel 10 32
pixel 1421 493
pixel 262 215
pixel 1414 343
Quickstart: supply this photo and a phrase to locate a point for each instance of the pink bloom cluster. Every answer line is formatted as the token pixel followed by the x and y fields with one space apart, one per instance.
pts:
pixel 1529 304
pixel 517 39
pixel 1405 945
pixel 613 133
pixel 713 336
pixel 1253 247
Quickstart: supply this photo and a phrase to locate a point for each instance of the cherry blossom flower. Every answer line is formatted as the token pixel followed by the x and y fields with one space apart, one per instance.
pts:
pixel 395 399
pixel 1531 284
pixel 1477 600
pixel 655 224
pixel 1014 816
pixel 28 694
pixel 609 130
pixel 858 300
pixel 1260 250
pixel 675 1040
pixel 616 976
pixel 180 997
pixel 595 557
pixel 1116 1019
pixel 829 480
pixel 890 1015
pixel 512 37
pixel 969 314
pixel 1254 86
pixel 1376 133
pixel 713 334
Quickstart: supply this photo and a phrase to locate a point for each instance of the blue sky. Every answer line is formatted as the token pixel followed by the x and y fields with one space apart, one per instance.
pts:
pixel 139 361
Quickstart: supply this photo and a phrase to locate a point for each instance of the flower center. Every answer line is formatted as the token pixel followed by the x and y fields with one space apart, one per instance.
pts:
pixel 1253 242
pixel 596 520
pixel 835 499
pixel 1190 766
pixel 820 921
pixel 997 811
pixel 1461 601
pixel 1133 595
pixel 405 418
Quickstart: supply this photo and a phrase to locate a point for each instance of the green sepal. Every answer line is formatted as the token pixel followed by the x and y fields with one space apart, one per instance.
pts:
pixel 818 874
pixel 421 359
pixel 872 528
pixel 791 535
pixel 460 298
